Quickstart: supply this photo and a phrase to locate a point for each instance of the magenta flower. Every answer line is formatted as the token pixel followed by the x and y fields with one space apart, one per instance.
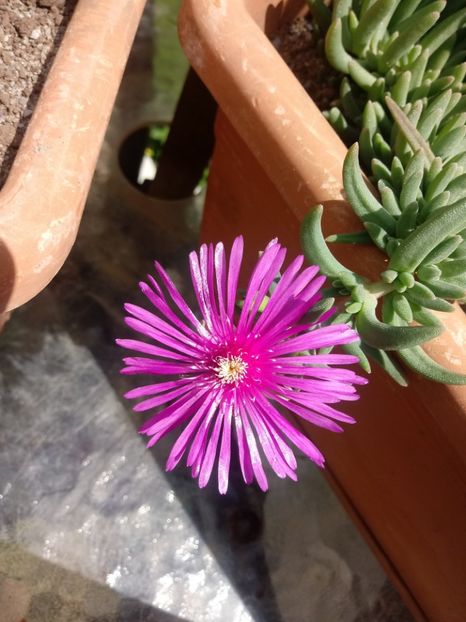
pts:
pixel 234 377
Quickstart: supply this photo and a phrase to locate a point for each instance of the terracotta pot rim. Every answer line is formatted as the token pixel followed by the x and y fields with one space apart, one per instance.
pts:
pixel 44 194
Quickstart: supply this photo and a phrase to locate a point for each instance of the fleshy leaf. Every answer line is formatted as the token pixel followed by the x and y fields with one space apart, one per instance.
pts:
pixel 441 225
pixel 422 363
pixel 315 248
pixel 388 337
pixel 415 138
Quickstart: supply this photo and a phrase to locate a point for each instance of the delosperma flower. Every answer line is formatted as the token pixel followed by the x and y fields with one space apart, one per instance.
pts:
pixel 237 377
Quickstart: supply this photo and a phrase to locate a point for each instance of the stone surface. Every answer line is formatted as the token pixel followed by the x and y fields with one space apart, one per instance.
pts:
pixel 91 527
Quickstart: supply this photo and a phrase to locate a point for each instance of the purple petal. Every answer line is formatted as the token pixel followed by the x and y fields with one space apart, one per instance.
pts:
pixel 263 274
pixel 157 366
pixel 317 359
pixel 284 293
pixel 154 369
pixel 318 338
pixel 179 300
pixel 211 451
pixel 200 288
pixel 306 414
pixel 236 257
pixel 317 406
pixel 162 306
pixel 160 336
pixel 196 453
pixel 296 379
pixel 182 442
pixel 176 411
pixel 286 452
pixel 154 389
pixel 256 461
pixel 221 278
pixel 147 348
pixel 271 450
pixel 225 452
pixel 163 398
pixel 243 449
pixel 279 422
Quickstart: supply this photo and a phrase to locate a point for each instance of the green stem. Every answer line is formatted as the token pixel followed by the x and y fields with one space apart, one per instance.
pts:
pixel 379 289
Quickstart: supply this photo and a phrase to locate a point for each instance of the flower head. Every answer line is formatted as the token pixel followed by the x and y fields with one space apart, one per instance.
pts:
pixel 233 374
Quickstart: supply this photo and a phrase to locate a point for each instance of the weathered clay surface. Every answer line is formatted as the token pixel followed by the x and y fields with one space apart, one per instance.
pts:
pixel 42 201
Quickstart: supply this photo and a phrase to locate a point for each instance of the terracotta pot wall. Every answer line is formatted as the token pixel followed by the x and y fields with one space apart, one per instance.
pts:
pixel 42 201
pixel 401 469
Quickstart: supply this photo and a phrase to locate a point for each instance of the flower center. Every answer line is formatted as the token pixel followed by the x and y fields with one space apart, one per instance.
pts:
pixel 230 369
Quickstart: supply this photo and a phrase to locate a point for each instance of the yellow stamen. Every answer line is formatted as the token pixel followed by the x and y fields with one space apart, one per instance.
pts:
pixel 230 369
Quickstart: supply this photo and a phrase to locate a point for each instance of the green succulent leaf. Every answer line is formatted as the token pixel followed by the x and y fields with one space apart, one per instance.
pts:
pixel 453 267
pixel 373 24
pixel 411 30
pixel 389 200
pixel 359 237
pixel 457 186
pixel 420 362
pixel 400 89
pixel 348 100
pixel 433 114
pixel 407 221
pixel 428 272
pixel 385 361
pixel 315 248
pixel 414 174
pixel 356 350
pixel 360 75
pixel 321 13
pixel 436 304
pixel 404 10
pixel 443 250
pixel 378 235
pixel 388 337
pixel 447 145
pixel 415 138
pixel 441 225
pixel 443 179
pixel 335 51
pixel 403 95
pixel 443 31
pixel 362 200
pixel 402 307
pixel 445 289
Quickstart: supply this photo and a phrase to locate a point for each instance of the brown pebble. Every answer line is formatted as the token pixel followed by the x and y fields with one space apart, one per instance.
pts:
pixel 10 74
pixel 7 133
pixel 8 57
pixel 22 71
pixel 5 99
pixel 25 26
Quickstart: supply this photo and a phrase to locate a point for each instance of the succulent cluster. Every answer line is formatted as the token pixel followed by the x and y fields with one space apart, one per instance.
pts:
pixel 402 99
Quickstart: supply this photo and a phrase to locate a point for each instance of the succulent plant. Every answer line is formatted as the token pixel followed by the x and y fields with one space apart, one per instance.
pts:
pixel 402 98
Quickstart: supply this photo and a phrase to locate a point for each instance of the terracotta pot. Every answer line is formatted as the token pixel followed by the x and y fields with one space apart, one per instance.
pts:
pixel 401 470
pixel 42 200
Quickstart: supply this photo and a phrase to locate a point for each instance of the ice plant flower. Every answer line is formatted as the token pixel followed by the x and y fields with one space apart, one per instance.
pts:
pixel 229 378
